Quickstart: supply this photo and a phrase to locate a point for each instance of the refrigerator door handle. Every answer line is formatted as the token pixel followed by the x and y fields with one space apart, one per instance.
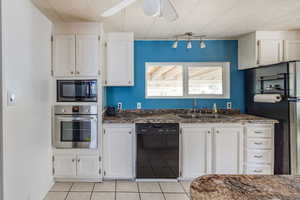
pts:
pixel 294 80
pixel 295 137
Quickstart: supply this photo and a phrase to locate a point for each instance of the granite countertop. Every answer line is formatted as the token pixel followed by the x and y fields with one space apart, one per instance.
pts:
pixel 183 116
pixel 246 187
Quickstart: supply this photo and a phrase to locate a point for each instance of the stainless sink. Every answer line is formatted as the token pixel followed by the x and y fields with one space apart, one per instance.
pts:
pixel 202 116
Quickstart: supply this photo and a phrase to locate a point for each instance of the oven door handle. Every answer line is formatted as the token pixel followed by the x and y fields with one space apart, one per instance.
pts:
pixel 77 118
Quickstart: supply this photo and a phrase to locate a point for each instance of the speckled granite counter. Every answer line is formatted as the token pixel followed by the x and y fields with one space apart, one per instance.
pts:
pixel 245 187
pixel 182 116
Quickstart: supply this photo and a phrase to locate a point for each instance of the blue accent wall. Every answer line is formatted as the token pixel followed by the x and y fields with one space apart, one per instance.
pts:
pixel 161 51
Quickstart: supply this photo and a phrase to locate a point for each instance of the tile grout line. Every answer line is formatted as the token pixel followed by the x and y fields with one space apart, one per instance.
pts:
pixel 92 191
pixel 68 192
pixel 115 189
pixel 162 191
pixel 138 187
pixel 180 182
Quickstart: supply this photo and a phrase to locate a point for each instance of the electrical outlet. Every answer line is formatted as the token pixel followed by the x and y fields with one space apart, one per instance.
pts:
pixel 120 106
pixel 229 105
pixel 139 105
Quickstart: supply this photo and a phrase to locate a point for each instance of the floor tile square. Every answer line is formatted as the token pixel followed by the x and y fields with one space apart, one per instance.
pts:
pixel 103 196
pixel 127 196
pixel 152 196
pixel 149 187
pixel 170 196
pixel 56 196
pixel 106 186
pixel 79 196
pixel 127 186
pixel 186 186
pixel 172 187
pixel 61 187
pixel 82 187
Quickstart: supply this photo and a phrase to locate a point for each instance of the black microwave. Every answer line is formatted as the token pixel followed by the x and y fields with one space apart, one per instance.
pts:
pixel 76 90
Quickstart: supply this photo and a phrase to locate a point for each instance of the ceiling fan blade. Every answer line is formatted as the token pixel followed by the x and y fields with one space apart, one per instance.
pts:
pixel 168 10
pixel 117 8
pixel 152 7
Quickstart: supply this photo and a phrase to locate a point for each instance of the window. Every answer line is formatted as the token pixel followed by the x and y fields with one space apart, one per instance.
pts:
pixel 188 80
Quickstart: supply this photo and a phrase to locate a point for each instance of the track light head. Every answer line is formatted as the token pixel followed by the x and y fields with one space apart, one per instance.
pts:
pixel 202 44
pixel 175 44
pixel 189 44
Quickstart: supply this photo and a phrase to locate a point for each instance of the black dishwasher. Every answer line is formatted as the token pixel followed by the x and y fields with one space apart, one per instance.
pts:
pixel 157 150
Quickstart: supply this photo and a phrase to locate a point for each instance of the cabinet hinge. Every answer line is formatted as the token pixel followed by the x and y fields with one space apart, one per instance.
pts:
pixel 105 82
pixel 105 44
pixel 99 37
pixel 52 39
pixel 99 171
pixel 104 173
pixel 99 158
pixel 53 158
pixel 52 72
pixel 180 131
pixel 99 72
pixel 104 131
pixel 180 174
pixel 53 171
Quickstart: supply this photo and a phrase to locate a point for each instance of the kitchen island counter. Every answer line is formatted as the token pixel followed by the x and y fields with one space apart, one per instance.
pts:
pixel 246 187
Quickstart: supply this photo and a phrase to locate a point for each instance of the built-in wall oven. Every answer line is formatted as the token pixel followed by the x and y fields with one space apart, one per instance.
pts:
pixel 76 90
pixel 75 126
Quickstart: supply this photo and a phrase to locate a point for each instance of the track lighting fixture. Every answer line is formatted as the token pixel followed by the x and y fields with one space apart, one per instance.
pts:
pixel 189 36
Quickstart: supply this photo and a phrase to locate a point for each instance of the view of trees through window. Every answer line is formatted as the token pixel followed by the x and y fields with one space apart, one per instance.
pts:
pixel 184 80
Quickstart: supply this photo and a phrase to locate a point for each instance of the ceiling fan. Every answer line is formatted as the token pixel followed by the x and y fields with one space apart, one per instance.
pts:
pixel 154 8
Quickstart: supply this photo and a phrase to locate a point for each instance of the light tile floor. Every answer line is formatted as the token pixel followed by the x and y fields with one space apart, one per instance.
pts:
pixel 120 190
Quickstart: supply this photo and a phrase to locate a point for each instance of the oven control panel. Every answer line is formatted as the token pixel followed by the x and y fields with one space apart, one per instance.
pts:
pixel 78 109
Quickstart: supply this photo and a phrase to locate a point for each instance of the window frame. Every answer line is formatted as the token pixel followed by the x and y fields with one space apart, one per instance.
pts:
pixel 225 79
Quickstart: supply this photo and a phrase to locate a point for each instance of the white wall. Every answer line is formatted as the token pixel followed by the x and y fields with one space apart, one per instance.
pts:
pixel 27 125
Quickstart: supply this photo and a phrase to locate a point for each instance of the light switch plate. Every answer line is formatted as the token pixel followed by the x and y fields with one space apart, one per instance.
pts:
pixel 11 98
pixel 139 105
pixel 229 105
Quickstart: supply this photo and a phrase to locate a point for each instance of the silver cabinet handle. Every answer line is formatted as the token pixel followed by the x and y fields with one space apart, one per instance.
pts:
pixel 258 156
pixel 208 132
pixel 129 132
pixel 78 160
pixel 258 143
pixel 217 132
pixel 258 132
pixel 73 160
pixel 77 72
pixel 72 72
pixel 257 171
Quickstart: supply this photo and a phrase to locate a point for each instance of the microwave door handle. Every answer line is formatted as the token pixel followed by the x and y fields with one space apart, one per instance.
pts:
pixel 76 118
pixel 88 87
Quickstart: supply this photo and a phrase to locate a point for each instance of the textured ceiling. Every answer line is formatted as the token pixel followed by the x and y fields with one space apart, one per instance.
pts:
pixel 214 18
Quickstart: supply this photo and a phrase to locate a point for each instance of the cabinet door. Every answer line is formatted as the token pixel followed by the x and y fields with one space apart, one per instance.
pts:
pixel 64 166
pixel 64 55
pixel 270 51
pixel 88 166
pixel 119 69
pixel 118 152
pixel 228 151
pixel 291 50
pixel 87 55
pixel 194 151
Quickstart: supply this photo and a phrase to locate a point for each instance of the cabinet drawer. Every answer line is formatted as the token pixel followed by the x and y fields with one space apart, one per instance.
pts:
pixel 259 132
pixel 259 169
pixel 259 143
pixel 260 156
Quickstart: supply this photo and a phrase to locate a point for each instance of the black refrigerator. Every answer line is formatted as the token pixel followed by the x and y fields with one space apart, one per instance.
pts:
pixel 283 79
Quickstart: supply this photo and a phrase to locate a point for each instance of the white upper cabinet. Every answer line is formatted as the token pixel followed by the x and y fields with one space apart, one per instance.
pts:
pixel 269 52
pixel 268 47
pixel 119 59
pixel 76 55
pixel 291 50
pixel 64 55
pixel 118 152
pixel 228 145
pixel 195 147
pixel 87 55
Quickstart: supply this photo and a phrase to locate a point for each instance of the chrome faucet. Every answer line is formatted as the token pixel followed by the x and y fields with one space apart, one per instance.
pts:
pixel 194 105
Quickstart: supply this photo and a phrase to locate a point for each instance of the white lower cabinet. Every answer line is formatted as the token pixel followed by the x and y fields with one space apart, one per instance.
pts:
pixel 195 146
pixel 118 151
pixel 64 166
pixel 227 150
pixel 76 165
pixel 259 150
